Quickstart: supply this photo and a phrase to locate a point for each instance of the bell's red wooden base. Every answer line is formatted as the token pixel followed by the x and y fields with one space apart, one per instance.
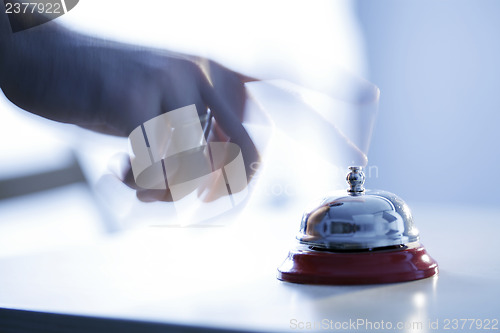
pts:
pixel 336 268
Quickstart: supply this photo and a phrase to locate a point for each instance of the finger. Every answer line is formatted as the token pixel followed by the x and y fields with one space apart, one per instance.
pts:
pixel 232 127
pixel 228 85
pixel 245 79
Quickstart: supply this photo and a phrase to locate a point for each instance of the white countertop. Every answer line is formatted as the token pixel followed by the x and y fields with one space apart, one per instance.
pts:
pixel 226 277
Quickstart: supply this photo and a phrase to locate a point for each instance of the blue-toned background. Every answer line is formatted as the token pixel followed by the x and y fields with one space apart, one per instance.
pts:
pixel 437 64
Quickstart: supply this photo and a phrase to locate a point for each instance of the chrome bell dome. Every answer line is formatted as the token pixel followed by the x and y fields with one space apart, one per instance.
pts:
pixel 358 219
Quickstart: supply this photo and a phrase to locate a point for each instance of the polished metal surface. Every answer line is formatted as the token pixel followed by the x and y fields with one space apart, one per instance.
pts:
pixel 358 219
pixel 356 180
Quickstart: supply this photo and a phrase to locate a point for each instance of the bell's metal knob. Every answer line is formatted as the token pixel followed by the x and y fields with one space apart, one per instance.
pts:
pixel 356 180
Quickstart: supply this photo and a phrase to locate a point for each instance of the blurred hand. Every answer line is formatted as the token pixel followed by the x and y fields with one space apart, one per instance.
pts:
pixel 113 88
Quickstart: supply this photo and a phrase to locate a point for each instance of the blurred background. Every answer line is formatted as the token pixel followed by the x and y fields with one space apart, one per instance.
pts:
pixel 435 62
pixel 437 66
